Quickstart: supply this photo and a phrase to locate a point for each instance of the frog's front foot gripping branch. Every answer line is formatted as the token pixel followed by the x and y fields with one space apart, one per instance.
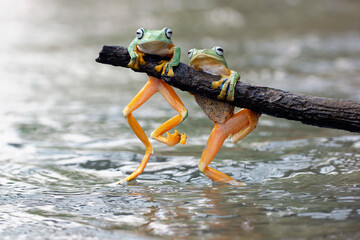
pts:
pixel 227 85
pixel 153 86
pixel 137 57
pixel 166 66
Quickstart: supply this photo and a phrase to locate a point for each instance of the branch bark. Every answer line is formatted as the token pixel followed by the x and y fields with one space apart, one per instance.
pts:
pixel 317 111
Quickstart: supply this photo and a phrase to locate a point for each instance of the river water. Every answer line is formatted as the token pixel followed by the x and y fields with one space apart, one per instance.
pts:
pixel 64 142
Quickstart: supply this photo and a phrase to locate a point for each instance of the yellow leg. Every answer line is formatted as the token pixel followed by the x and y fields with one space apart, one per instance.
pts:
pixel 172 98
pixel 213 145
pixel 151 87
pixel 149 150
pixel 141 97
pixel 250 124
pixel 239 125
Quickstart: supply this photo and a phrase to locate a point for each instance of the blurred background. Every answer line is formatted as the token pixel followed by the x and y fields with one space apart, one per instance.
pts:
pixel 63 138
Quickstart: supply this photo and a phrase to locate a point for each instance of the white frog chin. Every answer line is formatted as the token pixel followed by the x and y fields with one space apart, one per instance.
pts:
pixel 215 69
pixel 155 48
pixel 208 64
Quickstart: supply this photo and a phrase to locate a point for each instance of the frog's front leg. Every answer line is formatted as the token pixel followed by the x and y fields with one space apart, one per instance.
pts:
pixel 167 66
pixel 136 56
pixel 172 98
pixel 227 85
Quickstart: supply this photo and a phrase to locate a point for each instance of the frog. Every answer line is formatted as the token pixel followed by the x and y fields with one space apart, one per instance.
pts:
pixel 226 122
pixel 155 42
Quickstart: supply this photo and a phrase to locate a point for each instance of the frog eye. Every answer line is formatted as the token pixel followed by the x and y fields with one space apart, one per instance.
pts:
pixel 219 51
pixel 190 53
pixel 168 33
pixel 140 33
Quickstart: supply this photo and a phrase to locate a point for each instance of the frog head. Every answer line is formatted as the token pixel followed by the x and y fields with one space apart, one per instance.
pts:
pixel 209 60
pixel 154 41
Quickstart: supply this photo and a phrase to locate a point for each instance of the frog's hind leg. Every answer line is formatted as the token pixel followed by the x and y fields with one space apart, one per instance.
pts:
pixel 248 120
pixel 172 98
pixel 212 147
pixel 238 126
pixel 150 88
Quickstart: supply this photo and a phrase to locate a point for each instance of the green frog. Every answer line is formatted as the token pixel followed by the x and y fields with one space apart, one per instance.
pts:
pixel 227 123
pixel 155 42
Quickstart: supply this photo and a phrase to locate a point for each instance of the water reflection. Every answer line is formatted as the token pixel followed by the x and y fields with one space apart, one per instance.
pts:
pixel 191 205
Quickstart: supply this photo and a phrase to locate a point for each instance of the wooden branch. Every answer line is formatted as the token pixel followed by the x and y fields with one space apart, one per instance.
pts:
pixel 317 111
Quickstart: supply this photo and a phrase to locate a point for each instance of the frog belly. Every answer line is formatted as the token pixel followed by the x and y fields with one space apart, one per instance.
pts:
pixel 215 110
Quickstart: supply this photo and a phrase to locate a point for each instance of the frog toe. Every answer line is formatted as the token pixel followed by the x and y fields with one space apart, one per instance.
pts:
pixel 217 84
pixel 224 90
pixel 134 63
pixel 230 98
pixel 131 63
pixel 141 58
pixel 183 138
pixel 170 72
pixel 167 70
pixel 230 95
pixel 222 95
pixel 160 67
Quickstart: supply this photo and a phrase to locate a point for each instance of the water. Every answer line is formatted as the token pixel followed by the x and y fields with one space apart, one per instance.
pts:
pixel 64 141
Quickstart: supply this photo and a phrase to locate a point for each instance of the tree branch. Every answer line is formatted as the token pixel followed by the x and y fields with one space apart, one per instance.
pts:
pixel 317 111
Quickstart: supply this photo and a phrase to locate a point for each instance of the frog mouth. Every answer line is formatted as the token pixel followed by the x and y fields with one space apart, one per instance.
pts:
pixel 155 48
pixel 209 64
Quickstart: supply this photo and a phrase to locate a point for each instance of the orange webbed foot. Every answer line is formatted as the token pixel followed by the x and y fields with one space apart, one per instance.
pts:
pixel 218 176
pixel 175 138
